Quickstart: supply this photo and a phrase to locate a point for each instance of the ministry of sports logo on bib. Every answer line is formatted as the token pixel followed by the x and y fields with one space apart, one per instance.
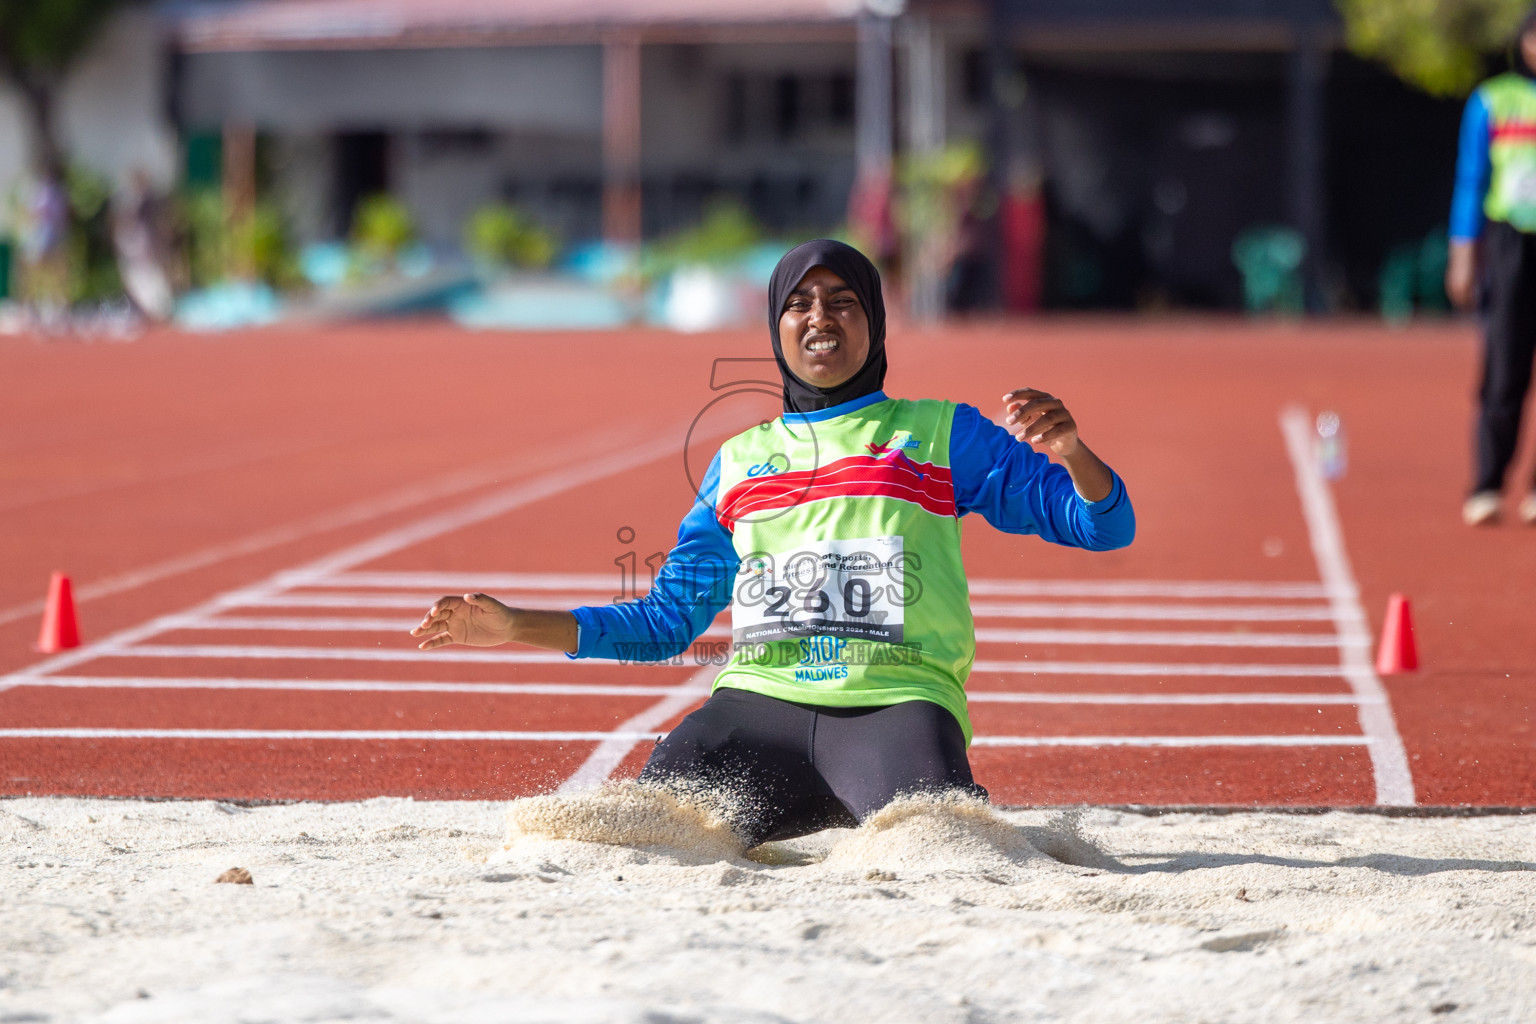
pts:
pixel 857 589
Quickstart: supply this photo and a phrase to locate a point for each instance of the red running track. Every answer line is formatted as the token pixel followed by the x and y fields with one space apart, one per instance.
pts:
pixel 183 481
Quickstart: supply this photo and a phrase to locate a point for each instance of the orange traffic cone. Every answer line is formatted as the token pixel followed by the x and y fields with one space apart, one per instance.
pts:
pixel 1397 652
pixel 61 630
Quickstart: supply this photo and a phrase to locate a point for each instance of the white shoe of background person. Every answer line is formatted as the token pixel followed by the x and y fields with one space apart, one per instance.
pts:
pixel 1527 510
pixel 1482 509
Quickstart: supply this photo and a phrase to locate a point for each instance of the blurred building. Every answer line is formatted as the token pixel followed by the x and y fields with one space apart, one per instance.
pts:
pixel 1130 143
pixel 666 102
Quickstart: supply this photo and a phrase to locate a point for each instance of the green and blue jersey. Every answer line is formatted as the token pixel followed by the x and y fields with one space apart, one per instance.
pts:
pixel 835 538
pixel 1496 158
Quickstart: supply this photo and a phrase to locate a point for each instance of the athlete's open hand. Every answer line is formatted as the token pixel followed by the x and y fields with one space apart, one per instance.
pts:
pixel 474 619
pixel 1042 420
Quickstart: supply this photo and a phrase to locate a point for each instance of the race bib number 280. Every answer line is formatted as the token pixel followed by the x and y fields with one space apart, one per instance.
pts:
pixel 856 589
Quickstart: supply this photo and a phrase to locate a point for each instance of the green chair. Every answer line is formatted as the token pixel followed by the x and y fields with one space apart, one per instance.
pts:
pixel 1269 258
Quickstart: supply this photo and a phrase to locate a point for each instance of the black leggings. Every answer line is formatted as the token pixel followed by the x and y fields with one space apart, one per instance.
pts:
pixel 1509 343
pixel 789 769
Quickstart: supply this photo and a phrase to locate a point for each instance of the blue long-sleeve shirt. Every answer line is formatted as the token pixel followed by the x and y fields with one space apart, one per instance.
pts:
pixel 1016 489
pixel 1472 171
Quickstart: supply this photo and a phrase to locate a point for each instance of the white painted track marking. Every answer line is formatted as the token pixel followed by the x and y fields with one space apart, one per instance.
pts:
pixel 1156 638
pixel 1169 741
pixel 447 654
pixel 323 624
pixel 297 623
pixel 1135 668
pixel 636 689
pixel 1138 699
pixel 1389 761
pixel 456 582
pixel 450 583
pixel 610 753
pixel 1179 589
pixel 499 502
pixel 417 602
pixel 421 735
pixel 982 610
pixel 346 686
pixel 1153 612
pixel 630 738
pixel 445 486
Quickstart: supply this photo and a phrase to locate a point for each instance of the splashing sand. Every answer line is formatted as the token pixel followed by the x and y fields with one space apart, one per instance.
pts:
pixel 930 834
pixel 654 821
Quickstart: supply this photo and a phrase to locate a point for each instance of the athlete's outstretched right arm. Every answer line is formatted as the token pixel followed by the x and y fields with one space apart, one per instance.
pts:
pixel 691 589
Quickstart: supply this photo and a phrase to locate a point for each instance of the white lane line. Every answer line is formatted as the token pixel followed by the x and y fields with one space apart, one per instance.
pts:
pixel 1145 588
pixel 453 654
pixel 525 492
pixel 600 764
pixel 417 602
pixel 629 739
pixel 1180 589
pixel 323 624
pixel 445 486
pixel 345 686
pixel 637 690
pixel 421 600
pixel 1303 699
pixel 426 735
pixel 617 459
pixel 457 582
pixel 1169 741
pixel 1135 668
pixel 1389 760
pixel 294 623
pixel 1154 612
pixel 1158 638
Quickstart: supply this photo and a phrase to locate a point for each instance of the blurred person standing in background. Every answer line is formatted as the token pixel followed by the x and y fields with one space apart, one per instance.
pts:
pixel 1494 263
pixel 140 237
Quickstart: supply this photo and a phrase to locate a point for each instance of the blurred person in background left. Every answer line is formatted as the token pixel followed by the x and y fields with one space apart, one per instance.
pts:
pixel 1492 263
pixel 45 250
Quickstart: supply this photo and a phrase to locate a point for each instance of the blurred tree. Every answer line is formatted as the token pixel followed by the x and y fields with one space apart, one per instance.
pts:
pixel 1437 45
pixel 39 40
pixel 500 235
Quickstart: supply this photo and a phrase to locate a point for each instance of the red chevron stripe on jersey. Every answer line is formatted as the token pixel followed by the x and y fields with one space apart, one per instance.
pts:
pixel 1514 131
pixel 892 475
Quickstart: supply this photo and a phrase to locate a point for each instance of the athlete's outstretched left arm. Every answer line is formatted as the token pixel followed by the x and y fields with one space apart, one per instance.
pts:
pixel 1079 502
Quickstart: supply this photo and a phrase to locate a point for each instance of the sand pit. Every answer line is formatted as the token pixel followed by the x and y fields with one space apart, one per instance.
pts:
pixel 391 910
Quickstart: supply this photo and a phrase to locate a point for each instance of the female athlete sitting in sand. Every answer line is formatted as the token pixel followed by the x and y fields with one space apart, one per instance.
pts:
pixel 836 529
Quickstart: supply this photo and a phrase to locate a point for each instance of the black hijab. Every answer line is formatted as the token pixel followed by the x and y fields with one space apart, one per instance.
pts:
pixel 1517 52
pixel 854 268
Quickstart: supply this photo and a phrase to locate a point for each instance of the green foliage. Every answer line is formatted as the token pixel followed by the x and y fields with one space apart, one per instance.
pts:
pixel 202 212
pixel 265 236
pixel 501 235
pixel 381 227
pixel 725 235
pixel 928 203
pixel 213 243
pixel 1437 45
pixel 39 38
pixel 91 258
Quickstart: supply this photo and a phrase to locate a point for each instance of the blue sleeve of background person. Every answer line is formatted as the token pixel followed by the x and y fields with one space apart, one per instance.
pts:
pixel 690 590
pixel 1472 171
pixel 1020 490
